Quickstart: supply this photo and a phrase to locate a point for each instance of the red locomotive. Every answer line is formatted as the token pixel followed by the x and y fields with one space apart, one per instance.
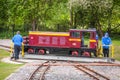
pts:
pixel 72 42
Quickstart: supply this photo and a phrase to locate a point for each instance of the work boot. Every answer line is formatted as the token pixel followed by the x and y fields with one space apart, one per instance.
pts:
pixel 11 58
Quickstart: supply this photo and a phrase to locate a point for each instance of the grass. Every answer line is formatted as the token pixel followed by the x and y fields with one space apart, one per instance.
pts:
pixel 5 68
pixel 117 53
pixel 116 44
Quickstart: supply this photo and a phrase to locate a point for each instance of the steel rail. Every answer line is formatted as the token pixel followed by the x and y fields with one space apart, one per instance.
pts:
pixel 85 70
pixel 81 69
pixel 100 64
pixel 45 70
pixel 32 75
pixel 58 64
pixel 95 72
pixel 5 46
pixel 19 61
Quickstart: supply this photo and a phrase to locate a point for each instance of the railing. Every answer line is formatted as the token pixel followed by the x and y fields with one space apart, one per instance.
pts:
pixel 111 50
pixel 12 49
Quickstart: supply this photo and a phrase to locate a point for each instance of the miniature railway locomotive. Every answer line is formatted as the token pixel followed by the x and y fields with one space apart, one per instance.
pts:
pixel 72 42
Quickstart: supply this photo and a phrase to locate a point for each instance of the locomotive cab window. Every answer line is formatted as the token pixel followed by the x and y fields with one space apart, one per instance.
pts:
pixel 75 34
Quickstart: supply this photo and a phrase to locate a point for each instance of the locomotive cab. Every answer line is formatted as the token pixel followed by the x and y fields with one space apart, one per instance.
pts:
pixel 84 39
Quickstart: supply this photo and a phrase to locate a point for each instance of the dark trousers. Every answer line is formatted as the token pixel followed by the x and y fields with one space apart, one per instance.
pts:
pixel 106 52
pixel 16 51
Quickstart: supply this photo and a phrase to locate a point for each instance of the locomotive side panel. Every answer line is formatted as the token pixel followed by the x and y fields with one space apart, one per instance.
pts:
pixel 49 40
pixel 75 42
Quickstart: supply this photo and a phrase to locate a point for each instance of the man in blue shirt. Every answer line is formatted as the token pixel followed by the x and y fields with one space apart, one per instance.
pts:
pixel 17 40
pixel 106 42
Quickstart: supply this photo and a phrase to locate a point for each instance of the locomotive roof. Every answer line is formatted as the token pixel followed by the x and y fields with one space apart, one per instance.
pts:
pixel 49 33
pixel 46 32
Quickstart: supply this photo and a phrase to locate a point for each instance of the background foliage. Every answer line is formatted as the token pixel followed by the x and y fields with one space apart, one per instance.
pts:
pixel 58 15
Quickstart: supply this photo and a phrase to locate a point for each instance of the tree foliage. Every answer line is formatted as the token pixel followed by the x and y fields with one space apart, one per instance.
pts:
pixel 60 15
pixel 99 14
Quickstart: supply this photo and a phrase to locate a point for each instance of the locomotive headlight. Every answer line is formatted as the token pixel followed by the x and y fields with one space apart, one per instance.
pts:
pixel 74 44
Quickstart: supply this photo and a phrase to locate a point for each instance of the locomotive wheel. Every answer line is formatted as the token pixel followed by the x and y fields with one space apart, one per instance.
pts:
pixel 41 51
pixel 75 53
pixel 87 54
pixel 30 51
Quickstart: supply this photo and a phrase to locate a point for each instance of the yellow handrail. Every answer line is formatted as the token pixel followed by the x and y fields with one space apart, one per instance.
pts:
pixel 11 48
pixel 112 55
pixel 23 50
pixel 112 50
pixel 101 51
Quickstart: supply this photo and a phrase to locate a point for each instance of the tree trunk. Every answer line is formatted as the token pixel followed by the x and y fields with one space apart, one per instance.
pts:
pixel 75 21
pixel 34 25
pixel 109 20
pixel 100 29
pixel 71 18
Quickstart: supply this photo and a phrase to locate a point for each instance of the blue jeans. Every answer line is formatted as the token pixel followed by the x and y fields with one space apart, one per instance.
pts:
pixel 106 52
pixel 16 51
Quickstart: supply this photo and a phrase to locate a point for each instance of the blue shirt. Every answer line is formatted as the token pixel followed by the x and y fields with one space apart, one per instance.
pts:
pixel 17 39
pixel 106 41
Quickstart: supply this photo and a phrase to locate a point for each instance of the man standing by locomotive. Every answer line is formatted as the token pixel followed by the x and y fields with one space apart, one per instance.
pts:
pixel 17 40
pixel 106 42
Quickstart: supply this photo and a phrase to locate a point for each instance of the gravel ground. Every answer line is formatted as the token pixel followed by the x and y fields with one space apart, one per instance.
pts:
pixel 25 71
pixel 6 42
pixel 65 73
pixel 22 73
pixel 112 72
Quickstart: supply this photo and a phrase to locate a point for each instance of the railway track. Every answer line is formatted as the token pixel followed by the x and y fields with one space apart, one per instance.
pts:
pixel 7 48
pixel 77 64
pixel 95 75
pixel 40 70
pixel 91 73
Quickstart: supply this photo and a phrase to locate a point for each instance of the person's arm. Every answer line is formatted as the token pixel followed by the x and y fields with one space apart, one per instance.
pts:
pixel 13 39
pixel 21 39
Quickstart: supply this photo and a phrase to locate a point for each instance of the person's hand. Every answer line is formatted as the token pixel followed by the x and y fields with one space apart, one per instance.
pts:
pixel 103 45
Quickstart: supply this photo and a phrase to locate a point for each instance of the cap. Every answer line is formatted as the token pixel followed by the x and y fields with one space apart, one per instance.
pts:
pixel 18 32
pixel 106 34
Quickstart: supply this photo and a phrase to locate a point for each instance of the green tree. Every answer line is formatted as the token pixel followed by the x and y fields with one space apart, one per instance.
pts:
pixel 3 13
pixel 93 13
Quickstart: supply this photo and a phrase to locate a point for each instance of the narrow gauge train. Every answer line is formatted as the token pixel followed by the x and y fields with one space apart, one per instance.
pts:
pixel 72 42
